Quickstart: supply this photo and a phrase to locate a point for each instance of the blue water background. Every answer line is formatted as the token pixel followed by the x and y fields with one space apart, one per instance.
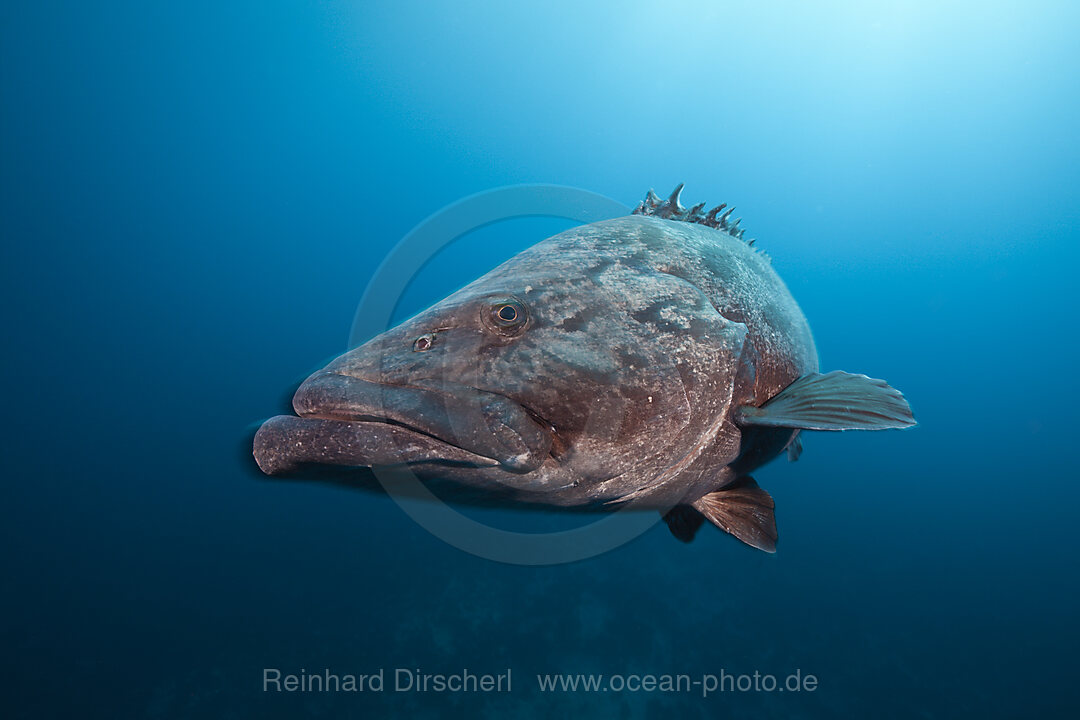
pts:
pixel 195 194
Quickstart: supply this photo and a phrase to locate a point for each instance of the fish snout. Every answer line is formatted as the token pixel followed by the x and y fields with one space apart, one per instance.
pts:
pixel 327 394
pixel 483 423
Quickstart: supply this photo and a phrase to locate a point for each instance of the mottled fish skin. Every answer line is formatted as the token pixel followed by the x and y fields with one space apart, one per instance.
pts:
pixel 643 335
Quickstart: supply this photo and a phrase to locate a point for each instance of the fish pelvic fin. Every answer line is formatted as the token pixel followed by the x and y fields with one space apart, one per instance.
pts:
pixel 833 401
pixel 684 521
pixel 794 448
pixel 744 510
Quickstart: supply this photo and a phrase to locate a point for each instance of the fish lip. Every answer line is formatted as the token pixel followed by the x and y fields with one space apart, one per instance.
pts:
pixel 317 411
pixel 375 420
pixel 469 420
pixel 286 443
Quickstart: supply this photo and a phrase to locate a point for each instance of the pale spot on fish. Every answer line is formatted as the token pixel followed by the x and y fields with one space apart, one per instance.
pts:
pixel 674 317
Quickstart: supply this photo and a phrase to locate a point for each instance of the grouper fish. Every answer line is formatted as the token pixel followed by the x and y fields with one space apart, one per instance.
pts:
pixel 650 361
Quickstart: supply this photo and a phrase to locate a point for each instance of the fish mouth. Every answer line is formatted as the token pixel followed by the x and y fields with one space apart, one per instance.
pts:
pixel 346 420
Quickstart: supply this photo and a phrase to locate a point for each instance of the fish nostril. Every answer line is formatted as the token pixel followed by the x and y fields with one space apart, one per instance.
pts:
pixel 424 342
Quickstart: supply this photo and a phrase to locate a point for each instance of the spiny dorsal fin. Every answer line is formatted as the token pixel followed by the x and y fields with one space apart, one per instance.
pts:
pixel 744 510
pixel 672 209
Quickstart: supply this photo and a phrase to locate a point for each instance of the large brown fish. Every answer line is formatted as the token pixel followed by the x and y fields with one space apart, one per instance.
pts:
pixel 655 359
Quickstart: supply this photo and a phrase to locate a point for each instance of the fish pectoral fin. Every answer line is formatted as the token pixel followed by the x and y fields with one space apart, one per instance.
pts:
pixel 833 401
pixel 684 521
pixel 744 510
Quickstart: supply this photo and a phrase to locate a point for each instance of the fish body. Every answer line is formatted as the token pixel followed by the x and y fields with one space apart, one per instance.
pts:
pixel 654 360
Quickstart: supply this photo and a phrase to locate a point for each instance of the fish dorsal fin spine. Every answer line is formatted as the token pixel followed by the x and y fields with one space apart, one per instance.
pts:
pixel 672 209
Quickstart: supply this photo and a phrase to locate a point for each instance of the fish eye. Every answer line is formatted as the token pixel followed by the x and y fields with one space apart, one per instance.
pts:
pixel 506 315
pixel 424 342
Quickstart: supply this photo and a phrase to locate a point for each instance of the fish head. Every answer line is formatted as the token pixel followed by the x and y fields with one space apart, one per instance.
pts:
pixel 548 362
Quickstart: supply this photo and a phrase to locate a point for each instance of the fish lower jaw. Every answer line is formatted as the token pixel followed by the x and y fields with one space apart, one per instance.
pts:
pixel 286 443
